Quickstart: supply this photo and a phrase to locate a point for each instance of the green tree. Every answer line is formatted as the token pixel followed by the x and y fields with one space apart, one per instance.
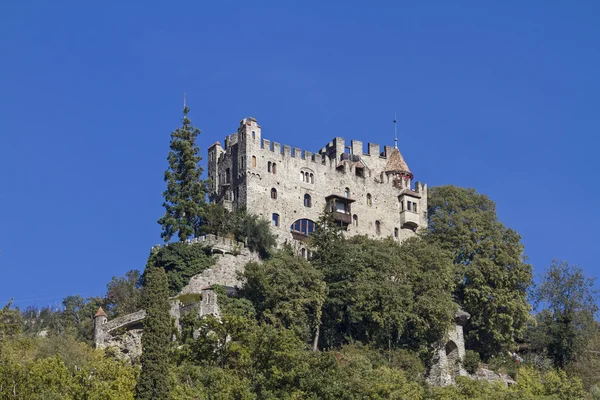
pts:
pixel 385 293
pixel 568 324
pixel 153 383
pixel 185 196
pixel 10 322
pixel 288 291
pixel 217 220
pixel 123 294
pixel 254 231
pixel 180 262
pixel 78 316
pixel 492 278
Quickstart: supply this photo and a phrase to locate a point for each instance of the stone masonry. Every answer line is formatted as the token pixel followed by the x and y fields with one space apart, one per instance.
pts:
pixel 447 362
pixel 124 333
pixel 371 193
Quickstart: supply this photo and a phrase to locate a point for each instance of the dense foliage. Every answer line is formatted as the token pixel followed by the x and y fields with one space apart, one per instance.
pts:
pixel 255 232
pixel 61 368
pixel 180 261
pixel 358 320
pixel 153 383
pixel 492 278
pixel 185 196
pixel 567 325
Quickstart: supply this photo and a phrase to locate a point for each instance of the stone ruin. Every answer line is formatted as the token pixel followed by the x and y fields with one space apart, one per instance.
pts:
pixel 124 333
pixel 449 355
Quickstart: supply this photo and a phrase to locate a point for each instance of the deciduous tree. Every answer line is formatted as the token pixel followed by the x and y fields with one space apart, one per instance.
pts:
pixel 491 276
pixel 567 324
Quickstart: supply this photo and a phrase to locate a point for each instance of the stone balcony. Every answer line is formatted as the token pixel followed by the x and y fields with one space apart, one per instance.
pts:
pixel 409 219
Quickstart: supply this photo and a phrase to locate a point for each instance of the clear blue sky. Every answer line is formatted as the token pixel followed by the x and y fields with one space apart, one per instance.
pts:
pixel 502 96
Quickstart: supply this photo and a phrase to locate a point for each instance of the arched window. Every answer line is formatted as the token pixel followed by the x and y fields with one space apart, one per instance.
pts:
pixel 303 226
pixel 302 175
pixel 312 178
pixel 269 166
pixel 355 220
pixel 347 192
pixel 378 227
pixel 275 219
pixel 307 200
pixel 274 168
pixel 369 199
pixel 395 232
pixel 253 161
pixel 253 134
pixel 303 252
pixel 274 194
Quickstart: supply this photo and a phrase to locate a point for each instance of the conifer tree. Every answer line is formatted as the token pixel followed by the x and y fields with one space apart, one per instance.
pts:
pixel 153 383
pixel 185 196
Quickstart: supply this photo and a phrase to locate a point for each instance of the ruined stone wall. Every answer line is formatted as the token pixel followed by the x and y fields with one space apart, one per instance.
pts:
pixel 333 169
pixel 449 355
pixel 224 272
pixel 123 334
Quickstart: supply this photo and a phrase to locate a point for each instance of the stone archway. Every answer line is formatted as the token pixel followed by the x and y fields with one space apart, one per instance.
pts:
pixel 453 358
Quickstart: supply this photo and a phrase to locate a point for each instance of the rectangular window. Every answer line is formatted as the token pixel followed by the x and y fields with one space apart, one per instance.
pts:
pixel 396 232
pixel 415 207
pixel 408 203
pixel 340 207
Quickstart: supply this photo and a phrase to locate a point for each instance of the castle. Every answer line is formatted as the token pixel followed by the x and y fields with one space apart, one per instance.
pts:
pixel 370 193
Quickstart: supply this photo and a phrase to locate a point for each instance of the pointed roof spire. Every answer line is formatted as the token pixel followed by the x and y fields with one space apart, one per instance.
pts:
pixel 396 164
pixel 100 313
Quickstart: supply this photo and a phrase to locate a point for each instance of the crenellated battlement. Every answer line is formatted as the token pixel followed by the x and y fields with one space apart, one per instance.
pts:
pixel 338 146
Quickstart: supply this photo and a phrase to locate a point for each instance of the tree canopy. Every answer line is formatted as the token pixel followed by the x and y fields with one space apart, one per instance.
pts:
pixel 491 276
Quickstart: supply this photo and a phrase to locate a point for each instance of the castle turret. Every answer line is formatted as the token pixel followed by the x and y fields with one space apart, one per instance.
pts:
pixel 99 319
pixel 397 170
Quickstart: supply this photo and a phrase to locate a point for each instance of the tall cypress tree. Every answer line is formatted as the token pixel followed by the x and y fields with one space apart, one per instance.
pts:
pixel 185 197
pixel 153 383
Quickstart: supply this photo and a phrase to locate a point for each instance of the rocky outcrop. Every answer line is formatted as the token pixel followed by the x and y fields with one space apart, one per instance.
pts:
pixel 484 374
pixel 224 272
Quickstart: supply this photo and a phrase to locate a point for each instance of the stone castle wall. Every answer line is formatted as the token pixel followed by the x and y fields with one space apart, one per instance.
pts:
pixel 245 172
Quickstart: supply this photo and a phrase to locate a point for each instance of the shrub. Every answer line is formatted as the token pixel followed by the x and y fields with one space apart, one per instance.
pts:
pixel 471 361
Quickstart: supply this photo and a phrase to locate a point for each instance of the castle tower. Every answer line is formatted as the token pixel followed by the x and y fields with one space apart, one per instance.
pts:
pixel 99 319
